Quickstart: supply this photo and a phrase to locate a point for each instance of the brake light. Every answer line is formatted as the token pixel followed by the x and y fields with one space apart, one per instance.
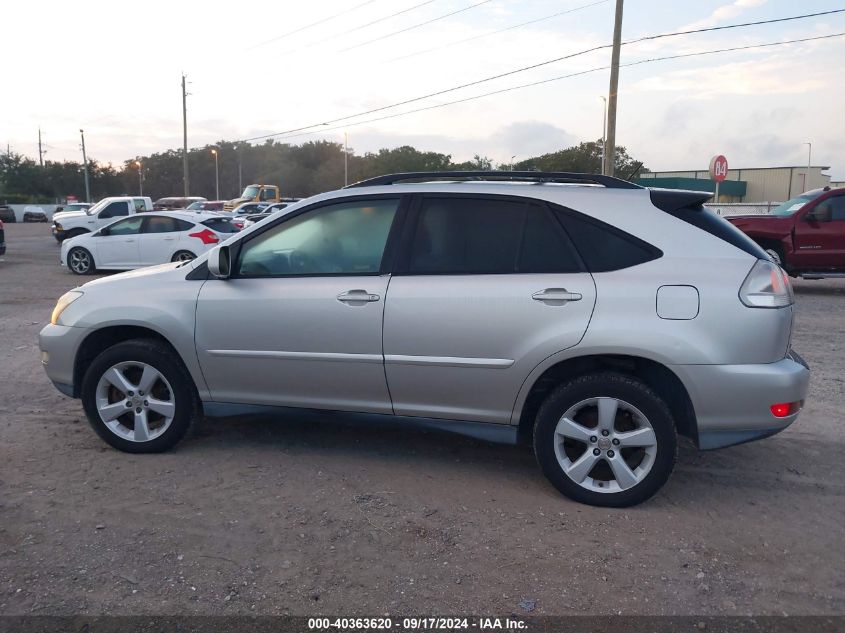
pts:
pixel 206 235
pixel 784 409
pixel 766 286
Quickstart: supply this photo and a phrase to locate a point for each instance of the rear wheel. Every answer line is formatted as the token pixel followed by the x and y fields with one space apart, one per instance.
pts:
pixel 182 256
pixel 139 397
pixel 606 440
pixel 80 261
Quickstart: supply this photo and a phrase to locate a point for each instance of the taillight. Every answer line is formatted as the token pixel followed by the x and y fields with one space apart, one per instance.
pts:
pixel 784 409
pixel 766 286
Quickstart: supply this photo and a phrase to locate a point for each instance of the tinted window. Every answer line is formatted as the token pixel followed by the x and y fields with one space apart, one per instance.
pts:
pixel 162 224
pixel 344 238
pixel 129 226
pixel 221 225
pixel 837 207
pixel 115 210
pixel 484 236
pixel 602 247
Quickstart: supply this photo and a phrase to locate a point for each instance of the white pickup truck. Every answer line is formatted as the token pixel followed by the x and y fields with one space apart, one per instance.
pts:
pixel 69 224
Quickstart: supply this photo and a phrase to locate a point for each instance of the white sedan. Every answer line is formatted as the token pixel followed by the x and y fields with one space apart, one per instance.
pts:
pixel 145 239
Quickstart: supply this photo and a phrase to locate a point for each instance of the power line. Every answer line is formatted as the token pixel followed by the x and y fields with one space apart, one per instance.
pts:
pixel 312 24
pixel 539 65
pixel 569 76
pixel 489 33
pixel 358 28
pixel 415 26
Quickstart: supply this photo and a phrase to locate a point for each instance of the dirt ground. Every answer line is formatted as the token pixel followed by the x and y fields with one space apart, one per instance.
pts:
pixel 298 517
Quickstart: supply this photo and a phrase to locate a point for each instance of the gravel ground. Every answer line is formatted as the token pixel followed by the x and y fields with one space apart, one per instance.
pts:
pixel 260 516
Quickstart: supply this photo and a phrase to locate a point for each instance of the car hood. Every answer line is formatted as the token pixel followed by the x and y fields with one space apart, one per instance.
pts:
pixel 132 275
pixel 68 215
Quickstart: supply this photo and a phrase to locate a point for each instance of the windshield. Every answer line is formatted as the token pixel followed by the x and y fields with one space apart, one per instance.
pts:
pixel 196 206
pixel 250 192
pixel 791 206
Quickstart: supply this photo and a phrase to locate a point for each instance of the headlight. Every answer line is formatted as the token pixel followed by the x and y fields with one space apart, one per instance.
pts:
pixel 64 301
pixel 58 226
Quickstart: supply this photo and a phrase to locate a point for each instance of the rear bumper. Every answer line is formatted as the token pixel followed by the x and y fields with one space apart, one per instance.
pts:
pixel 732 402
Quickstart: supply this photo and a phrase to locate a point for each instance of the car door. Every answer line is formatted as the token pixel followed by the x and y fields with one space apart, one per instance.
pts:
pixel 299 323
pixel 820 244
pixel 159 239
pixel 489 286
pixel 116 245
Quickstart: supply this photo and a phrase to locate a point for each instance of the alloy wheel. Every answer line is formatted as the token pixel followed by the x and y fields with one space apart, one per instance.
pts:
pixel 605 444
pixel 135 401
pixel 80 261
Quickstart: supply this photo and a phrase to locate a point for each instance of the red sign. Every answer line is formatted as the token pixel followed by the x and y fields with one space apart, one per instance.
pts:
pixel 719 168
pixel 71 199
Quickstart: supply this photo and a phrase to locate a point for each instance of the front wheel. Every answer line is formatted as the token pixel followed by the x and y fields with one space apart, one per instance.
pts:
pixel 139 397
pixel 80 261
pixel 605 439
pixel 775 255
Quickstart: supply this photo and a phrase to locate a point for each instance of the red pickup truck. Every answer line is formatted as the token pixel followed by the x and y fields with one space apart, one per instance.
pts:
pixel 805 235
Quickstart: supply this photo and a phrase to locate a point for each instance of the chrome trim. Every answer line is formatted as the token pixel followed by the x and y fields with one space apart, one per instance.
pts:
pixel 448 361
pixel 320 356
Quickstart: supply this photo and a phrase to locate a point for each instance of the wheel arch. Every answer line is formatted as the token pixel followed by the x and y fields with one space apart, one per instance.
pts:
pixel 653 373
pixel 101 339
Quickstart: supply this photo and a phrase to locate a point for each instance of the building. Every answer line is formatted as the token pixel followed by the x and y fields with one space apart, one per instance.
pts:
pixel 755 184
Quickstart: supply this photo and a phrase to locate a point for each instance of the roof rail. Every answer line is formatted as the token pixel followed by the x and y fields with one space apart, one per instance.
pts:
pixel 523 176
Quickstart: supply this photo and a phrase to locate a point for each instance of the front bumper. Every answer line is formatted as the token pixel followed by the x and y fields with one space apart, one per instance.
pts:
pixel 732 402
pixel 59 234
pixel 59 344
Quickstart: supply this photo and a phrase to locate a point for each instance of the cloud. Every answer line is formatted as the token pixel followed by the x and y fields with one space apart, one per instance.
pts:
pixel 724 13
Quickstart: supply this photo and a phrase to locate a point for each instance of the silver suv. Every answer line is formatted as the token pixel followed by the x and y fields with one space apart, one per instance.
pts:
pixel 593 318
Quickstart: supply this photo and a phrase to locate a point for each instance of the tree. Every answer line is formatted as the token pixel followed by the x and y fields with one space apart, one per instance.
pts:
pixel 584 157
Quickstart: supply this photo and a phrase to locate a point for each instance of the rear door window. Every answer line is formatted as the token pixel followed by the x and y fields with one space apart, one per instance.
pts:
pixel 469 235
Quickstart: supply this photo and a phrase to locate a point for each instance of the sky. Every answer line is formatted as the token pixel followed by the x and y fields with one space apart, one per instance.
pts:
pixel 256 67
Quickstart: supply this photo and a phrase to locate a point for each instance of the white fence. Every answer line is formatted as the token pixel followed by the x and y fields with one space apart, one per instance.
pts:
pixel 742 208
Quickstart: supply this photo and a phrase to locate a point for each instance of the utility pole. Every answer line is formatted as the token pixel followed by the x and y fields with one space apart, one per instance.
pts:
pixel 40 151
pixel 85 167
pixel 603 133
pixel 809 162
pixel 345 159
pixel 185 178
pixel 610 143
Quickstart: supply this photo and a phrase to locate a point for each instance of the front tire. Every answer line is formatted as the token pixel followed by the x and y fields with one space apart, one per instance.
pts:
pixel 605 439
pixel 139 397
pixel 80 261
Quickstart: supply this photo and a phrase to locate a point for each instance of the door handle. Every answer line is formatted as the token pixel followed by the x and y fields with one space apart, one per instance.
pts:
pixel 356 296
pixel 168 239
pixel 132 240
pixel 556 295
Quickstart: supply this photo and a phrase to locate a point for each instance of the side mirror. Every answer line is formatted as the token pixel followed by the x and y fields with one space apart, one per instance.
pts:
pixel 219 262
pixel 59 208
pixel 821 213
pixel 104 231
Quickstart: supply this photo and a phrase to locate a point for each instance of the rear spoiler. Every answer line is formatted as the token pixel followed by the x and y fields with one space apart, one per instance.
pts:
pixel 670 200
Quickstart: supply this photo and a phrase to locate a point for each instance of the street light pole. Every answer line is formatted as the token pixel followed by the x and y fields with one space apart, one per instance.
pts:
pixel 140 178
pixel 603 132
pixel 216 176
pixel 809 161
pixel 85 167
pixel 610 143
pixel 345 158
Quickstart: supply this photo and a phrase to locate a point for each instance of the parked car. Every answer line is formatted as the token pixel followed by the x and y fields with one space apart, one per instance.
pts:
pixel 73 206
pixel 32 213
pixel 268 194
pixel 72 223
pixel 805 235
pixel 145 240
pixel 206 205
pixel 597 323
pixel 266 212
pixel 2 239
pixel 175 202
pixel 7 214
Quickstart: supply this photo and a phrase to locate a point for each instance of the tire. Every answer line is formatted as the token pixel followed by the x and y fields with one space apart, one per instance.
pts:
pixel 166 410
pixel 646 466
pixel 182 256
pixel 776 255
pixel 80 261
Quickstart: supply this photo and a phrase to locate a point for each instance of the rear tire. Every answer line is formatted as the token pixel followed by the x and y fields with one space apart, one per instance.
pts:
pixel 80 261
pixel 605 439
pixel 139 397
pixel 183 256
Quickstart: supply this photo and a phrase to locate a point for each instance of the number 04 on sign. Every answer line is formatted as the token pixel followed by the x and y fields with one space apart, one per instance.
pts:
pixel 718 171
